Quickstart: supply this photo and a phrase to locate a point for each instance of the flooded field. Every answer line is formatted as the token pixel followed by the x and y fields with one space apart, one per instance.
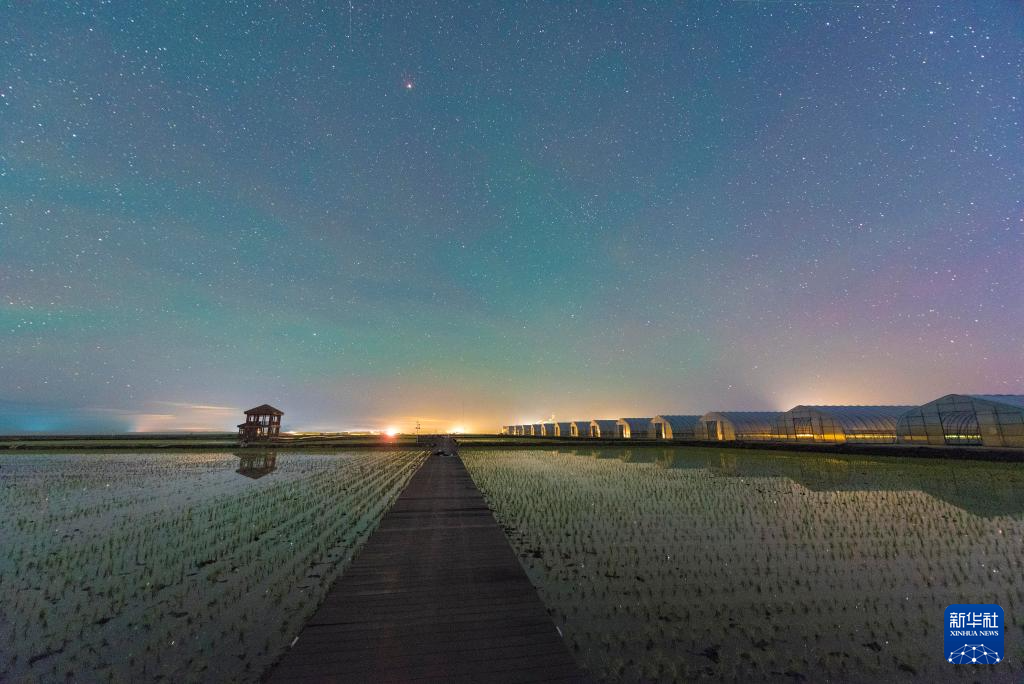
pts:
pixel 706 564
pixel 175 566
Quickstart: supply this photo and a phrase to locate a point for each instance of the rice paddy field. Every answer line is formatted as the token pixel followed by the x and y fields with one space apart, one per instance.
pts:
pixel 706 564
pixel 176 566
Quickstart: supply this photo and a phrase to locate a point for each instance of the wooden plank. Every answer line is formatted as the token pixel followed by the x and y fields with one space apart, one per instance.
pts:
pixel 436 595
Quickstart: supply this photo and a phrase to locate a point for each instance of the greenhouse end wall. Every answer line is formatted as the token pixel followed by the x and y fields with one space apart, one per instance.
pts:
pixel 634 428
pixel 965 420
pixel 604 429
pixel 673 427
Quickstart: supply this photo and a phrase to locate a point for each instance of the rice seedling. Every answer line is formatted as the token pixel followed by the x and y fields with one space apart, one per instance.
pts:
pixel 172 565
pixel 760 566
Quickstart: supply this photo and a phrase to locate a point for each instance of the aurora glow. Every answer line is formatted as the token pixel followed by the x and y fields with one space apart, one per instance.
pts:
pixel 370 214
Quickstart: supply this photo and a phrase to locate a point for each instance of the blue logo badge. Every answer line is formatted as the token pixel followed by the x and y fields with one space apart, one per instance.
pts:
pixel 974 634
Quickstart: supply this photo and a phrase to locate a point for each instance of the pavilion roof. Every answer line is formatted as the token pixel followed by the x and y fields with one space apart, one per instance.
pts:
pixel 264 410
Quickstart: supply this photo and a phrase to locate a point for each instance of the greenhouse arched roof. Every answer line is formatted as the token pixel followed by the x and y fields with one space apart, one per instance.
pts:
pixel 859 418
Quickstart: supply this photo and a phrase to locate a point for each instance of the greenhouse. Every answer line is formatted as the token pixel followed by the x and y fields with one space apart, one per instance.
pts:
pixel 836 424
pixel 728 426
pixel 993 420
pixel 604 429
pixel 579 428
pixel 563 430
pixel 546 430
pixel 673 427
pixel 634 428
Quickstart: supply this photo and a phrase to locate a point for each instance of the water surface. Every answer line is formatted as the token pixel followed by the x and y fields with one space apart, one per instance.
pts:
pixel 181 566
pixel 688 564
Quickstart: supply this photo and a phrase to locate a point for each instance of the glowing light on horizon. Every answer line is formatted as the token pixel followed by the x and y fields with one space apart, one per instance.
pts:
pixel 391 431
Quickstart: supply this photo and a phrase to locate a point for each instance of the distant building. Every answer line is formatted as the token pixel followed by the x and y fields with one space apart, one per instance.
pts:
pixel 992 420
pixel 563 430
pixel 839 424
pixel 673 427
pixel 604 429
pixel 538 430
pixel 579 428
pixel 547 429
pixel 728 426
pixel 262 422
pixel 633 428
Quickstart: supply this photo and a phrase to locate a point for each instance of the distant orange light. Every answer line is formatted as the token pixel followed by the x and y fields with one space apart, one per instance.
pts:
pixel 391 431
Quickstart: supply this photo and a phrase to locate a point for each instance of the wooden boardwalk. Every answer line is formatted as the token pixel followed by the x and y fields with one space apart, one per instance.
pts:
pixel 437 594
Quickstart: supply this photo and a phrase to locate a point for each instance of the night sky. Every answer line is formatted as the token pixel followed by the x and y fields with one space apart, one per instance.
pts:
pixel 366 214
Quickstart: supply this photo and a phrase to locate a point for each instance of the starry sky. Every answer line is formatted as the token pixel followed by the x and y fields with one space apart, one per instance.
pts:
pixel 369 214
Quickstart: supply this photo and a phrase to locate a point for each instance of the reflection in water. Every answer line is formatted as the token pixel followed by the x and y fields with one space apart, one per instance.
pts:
pixel 981 488
pixel 256 464
pixel 637 456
